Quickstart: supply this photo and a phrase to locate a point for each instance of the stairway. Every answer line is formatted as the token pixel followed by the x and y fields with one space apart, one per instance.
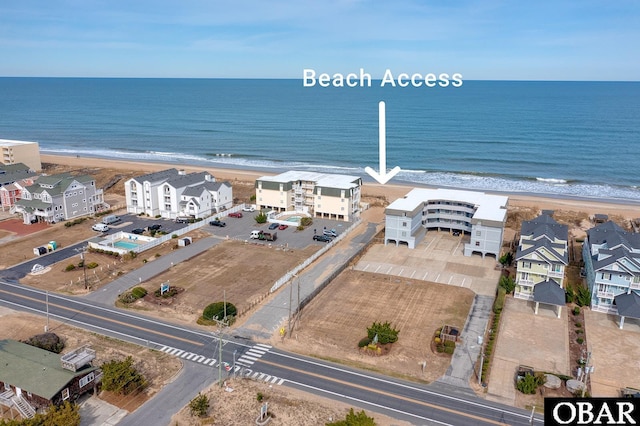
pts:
pixel 25 409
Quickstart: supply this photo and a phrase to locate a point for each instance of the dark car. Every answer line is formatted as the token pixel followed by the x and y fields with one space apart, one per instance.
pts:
pixel 217 223
pixel 322 238
pixel 283 227
pixel 155 227
pixel 137 231
pixel 455 233
pixel 236 214
pixel 273 226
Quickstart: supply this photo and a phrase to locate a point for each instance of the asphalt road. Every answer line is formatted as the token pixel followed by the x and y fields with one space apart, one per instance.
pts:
pixel 432 404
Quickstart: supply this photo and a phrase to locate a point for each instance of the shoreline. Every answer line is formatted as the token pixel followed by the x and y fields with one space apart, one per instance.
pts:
pixel 627 208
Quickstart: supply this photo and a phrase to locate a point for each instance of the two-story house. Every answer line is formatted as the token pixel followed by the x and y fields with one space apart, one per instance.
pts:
pixel 60 197
pixel 542 255
pixel 173 193
pixel 13 179
pixel 325 195
pixel 612 265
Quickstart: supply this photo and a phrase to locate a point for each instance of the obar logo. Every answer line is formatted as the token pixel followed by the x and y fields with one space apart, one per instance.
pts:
pixel 591 411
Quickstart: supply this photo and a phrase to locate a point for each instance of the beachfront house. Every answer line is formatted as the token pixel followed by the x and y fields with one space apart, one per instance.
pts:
pixel 32 379
pixel 13 179
pixel 611 258
pixel 542 255
pixel 14 152
pixel 173 193
pixel 480 216
pixel 323 195
pixel 60 197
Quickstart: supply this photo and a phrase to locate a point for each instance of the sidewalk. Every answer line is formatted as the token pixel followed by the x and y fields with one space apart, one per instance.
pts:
pixel 271 316
pixel 108 294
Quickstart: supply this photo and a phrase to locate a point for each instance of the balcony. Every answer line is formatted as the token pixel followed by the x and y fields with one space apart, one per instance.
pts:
pixel 606 294
pixel 525 283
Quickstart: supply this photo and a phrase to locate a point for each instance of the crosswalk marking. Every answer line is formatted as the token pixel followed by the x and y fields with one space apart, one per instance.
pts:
pixel 253 354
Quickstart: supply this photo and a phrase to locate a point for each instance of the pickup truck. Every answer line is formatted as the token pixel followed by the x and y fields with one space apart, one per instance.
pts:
pixel 217 223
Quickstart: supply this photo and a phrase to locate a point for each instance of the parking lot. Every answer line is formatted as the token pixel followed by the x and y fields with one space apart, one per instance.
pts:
pixel 240 229
pixel 438 258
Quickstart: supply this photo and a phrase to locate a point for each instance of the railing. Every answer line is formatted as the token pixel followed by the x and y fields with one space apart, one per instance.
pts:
pixel 605 309
pixel 523 295
pixel 555 274
pixel 606 294
pixel 24 408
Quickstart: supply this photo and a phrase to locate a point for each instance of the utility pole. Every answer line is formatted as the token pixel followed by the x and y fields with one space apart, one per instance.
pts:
pixel 290 303
pixel 82 251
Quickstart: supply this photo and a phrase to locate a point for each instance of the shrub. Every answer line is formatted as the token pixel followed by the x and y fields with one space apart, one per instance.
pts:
pixel 580 340
pixel 252 198
pixel 127 297
pixel 48 341
pixel 438 340
pixel 261 218
pixel 217 310
pixel 139 292
pixel 121 377
pixel 354 419
pixel 569 294
pixel 499 303
pixel 158 255
pixel 583 298
pixel 199 405
pixel 506 259
pixel 70 267
pixel 384 331
pixel 508 284
pixel 92 265
pixel 529 383
pixel 364 342
pixel 300 228
pixel 174 235
pixel 576 310
pixel 259 396
pixel 306 221
pixel 578 324
pixel 158 216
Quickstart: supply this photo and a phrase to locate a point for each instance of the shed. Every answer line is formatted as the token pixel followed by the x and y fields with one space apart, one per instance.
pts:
pixel 182 242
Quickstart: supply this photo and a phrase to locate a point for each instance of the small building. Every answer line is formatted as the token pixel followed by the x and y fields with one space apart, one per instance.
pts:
pixel 13 152
pixel 13 179
pixel 479 215
pixel 32 378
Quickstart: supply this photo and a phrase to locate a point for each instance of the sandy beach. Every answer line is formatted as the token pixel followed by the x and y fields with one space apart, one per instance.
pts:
pixel 627 209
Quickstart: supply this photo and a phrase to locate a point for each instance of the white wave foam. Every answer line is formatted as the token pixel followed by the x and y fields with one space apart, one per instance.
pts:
pixel 551 180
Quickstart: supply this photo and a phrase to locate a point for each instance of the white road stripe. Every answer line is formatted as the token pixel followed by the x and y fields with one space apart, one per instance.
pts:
pixel 255 352
pixel 251 358
pixel 262 345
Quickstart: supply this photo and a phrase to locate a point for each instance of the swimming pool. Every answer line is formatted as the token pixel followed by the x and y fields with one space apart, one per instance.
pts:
pixel 127 245
pixel 295 219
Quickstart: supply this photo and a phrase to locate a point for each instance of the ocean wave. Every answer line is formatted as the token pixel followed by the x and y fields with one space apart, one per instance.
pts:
pixel 551 180
pixel 463 180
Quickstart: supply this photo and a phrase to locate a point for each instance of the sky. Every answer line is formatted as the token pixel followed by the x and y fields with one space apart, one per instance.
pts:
pixel 481 40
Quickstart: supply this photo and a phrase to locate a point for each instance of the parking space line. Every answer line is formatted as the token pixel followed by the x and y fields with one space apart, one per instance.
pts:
pixel 463 280
pixel 413 273
pixel 379 266
pixel 400 273
pixel 450 278
pixel 437 277
pixel 425 275
pixel 389 271
pixel 365 268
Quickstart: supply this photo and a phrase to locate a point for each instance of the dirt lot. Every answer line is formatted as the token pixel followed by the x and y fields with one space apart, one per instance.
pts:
pixel 333 323
pixel 244 272
pixel 287 406
pixel 158 367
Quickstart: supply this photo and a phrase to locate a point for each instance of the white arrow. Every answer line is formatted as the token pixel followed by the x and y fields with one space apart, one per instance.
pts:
pixel 382 177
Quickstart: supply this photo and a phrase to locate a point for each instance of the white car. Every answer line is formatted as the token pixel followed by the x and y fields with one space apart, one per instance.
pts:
pixel 248 209
pixel 100 227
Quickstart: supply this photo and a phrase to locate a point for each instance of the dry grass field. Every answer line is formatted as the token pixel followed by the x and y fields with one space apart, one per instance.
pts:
pixel 333 323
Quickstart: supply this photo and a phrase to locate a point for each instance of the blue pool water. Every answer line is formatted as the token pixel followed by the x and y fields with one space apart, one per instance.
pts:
pixel 125 245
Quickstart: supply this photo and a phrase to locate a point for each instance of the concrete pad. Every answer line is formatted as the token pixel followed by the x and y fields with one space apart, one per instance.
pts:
pixel 614 353
pixel 95 411
pixel 521 331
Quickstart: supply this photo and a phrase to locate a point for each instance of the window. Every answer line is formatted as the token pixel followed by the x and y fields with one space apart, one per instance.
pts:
pixel 606 276
pixel 86 380
pixel 65 394
pixel 477 243
pixel 404 224
pixel 526 265
pixel 478 233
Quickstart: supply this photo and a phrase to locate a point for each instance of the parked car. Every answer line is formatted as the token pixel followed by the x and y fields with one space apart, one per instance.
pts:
pixel 322 238
pixel 273 226
pixel 138 231
pixel 100 227
pixel 455 233
pixel 154 227
pixel 236 214
pixel 283 227
pixel 248 209
pixel 219 223
pixel 330 233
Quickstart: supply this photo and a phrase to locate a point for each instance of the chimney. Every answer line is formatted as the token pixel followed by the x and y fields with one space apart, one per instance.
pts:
pixel 181 172
pixel 209 178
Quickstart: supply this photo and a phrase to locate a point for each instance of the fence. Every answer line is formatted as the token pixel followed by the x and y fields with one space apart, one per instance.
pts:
pixel 186 229
pixel 289 275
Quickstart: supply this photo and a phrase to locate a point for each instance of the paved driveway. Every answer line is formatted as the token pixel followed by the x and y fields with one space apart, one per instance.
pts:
pixel 540 341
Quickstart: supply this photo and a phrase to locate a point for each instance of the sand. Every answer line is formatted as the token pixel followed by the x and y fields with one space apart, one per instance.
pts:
pixel 392 191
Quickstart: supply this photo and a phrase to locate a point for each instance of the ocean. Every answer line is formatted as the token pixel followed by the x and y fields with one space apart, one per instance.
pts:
pixel 579 139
